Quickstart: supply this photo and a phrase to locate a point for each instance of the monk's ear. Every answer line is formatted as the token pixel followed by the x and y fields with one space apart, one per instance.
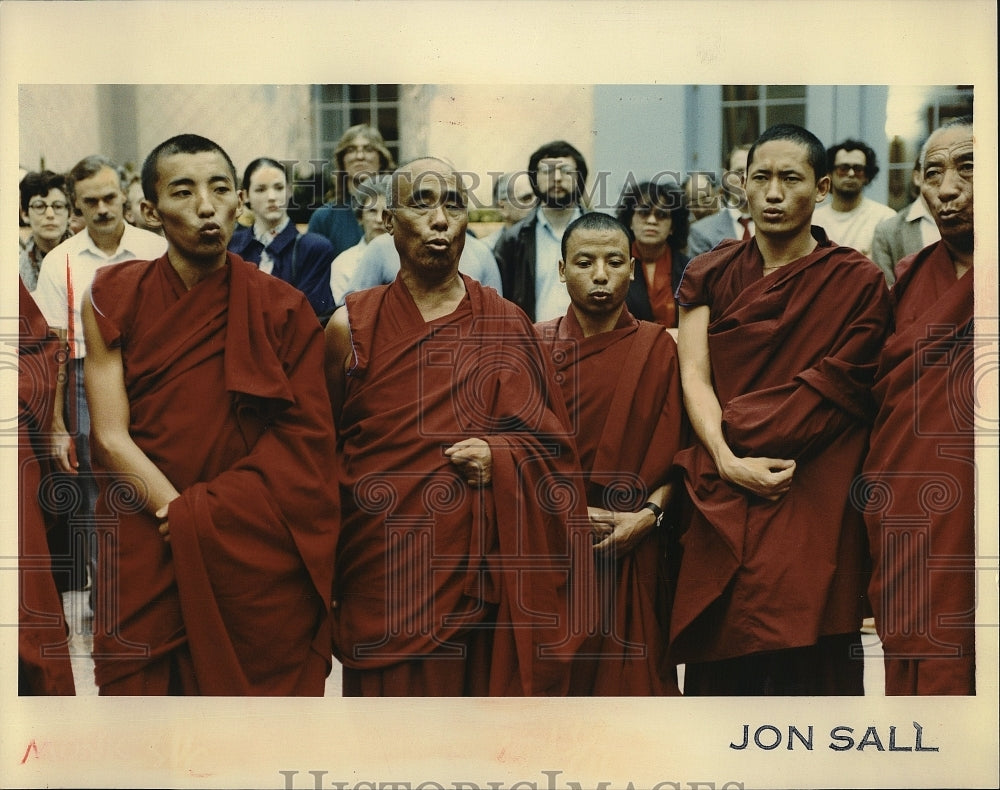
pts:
pixel 149 214
pixel 387 221
pixel 562 271
pixel 241 200
pixel 631 268
pixel 822 188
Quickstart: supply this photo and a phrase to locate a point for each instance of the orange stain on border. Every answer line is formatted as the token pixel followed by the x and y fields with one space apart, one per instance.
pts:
pixel 32 747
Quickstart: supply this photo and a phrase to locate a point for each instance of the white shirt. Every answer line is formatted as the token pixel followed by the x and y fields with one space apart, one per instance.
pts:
pixel 854 228
pixel 734 215
pixel 918 212
pixel 83 259
pixel 551 297
pixel 342 269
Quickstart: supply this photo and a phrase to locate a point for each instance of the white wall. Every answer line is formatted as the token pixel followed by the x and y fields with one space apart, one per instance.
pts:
pixel 484 128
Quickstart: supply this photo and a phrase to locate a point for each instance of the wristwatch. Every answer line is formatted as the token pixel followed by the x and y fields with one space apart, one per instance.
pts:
pixel 657 512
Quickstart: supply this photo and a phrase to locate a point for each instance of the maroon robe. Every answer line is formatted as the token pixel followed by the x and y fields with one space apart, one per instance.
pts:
pixel 227 397
pixel 920 478
pixel 42 643
pixel 426 562
pixel 623 395
pixel 793 356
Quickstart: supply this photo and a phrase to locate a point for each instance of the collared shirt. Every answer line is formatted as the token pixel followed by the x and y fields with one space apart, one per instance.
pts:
pixel 551 297
pixel 82 257
pixel 918 212
pixel 265 236
pixel 30 260
pixel 734 215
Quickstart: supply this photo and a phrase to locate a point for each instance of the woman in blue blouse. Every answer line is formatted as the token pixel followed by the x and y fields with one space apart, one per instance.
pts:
pixel 275 244
pixel 360 154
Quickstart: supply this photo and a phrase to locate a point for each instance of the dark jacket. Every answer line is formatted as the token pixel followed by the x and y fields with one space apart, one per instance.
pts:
pixel 302 260
pixel 637 299
pixel 515 254
pixel 337 223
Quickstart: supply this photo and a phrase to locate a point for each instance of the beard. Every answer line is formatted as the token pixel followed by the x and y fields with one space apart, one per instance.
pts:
pixel 560 199
pixel 849 190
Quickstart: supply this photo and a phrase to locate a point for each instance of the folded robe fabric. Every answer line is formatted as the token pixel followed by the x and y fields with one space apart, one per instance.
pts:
pixel 43 654
pixel 423 557
pixel 919 477
pixel 227 398
pixel 622 391
pixel 793 356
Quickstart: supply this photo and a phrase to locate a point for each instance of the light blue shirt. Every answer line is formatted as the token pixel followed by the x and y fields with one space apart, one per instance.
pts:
pixel 379 264
pixel 551 297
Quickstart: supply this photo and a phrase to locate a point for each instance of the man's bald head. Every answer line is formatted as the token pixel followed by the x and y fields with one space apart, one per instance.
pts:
pixel 427 214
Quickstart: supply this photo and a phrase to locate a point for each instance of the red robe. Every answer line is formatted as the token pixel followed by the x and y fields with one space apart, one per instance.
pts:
pixel 43 656
pixel 623 395
pixel 920 480
pixel 227 397
pixel 424 558
pixel 793 356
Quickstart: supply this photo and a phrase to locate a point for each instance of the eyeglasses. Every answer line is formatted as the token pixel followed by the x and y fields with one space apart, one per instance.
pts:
pixel 843 170
pixel 645 211
pixel 547 169
pixel 57 206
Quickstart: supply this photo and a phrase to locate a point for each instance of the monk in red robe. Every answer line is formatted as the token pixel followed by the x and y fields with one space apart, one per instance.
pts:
pixel 919 474
pixel 209 407
pixel 42 638
pixel 779 338
pixel 464 525
pixel 628 429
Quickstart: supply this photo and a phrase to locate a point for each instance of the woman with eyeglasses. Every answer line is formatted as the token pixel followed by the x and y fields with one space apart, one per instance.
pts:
pixel 45 209
pixel 274 243
pixel 360 154
pixel 657 215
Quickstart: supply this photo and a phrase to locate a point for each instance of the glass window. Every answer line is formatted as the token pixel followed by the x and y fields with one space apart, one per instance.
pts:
pixel 913 112
pixel 747 110
pixel 338 107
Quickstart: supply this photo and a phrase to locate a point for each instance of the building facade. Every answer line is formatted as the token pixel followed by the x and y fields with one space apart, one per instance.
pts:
pixel 626 132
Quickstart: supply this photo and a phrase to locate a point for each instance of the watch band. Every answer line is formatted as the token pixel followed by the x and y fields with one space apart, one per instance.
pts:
pixel 657 511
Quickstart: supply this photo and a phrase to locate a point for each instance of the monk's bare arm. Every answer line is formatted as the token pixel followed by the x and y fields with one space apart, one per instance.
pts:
pixel 61 444
pixel 104 377
pixel 766 477
pixel 339 354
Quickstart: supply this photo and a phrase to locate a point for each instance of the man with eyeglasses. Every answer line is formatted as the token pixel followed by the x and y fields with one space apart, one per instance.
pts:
pixel 528 253
pixel 96 189
pixel 45 209
pixel 849 218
